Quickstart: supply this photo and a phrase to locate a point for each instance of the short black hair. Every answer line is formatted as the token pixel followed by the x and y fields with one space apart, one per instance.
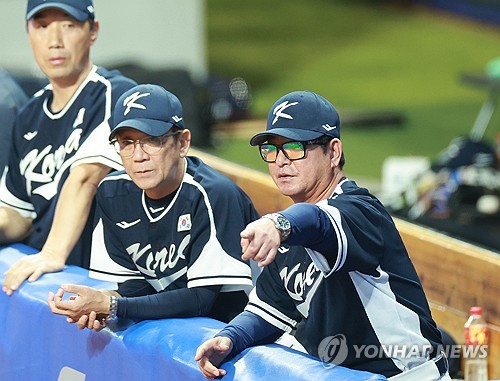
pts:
pixel 323 142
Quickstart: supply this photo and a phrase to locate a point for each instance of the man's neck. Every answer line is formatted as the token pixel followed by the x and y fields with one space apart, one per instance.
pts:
pixel 63 89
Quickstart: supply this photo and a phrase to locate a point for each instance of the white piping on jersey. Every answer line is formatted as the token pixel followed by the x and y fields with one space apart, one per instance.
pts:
pixel 123 176
pixel 342 244
pixel 61 113
pixel 229 284
pixel 269 313
pixel 393 323
pixel 334 216
pixel 338 188
pixel 190 180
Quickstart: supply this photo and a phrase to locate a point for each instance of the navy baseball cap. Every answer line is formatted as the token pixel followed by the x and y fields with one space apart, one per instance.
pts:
pixel 80 10
pixel 147 108
pixel 300 116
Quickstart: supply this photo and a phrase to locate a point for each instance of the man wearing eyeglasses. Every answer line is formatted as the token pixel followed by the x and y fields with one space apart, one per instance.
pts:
pixel 167 228
pixel 336 273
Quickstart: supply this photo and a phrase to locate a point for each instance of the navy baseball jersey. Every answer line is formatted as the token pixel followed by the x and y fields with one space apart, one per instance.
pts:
pixel 47 145
pixel 361 291
pixel 191 241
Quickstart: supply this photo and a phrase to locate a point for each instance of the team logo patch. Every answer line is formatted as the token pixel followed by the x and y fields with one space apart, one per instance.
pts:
pixel 184 223
pixel 126 225
pixel 328 127
pixel 30 135
pixel 279 111
pixel 131 102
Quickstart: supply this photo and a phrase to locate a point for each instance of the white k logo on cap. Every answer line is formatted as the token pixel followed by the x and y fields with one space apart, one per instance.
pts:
pixel 278 111
pixel 130 102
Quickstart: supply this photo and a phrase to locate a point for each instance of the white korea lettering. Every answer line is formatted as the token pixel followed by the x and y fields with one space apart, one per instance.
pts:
pixel 166 258
pixel 41 166
pixel 296 282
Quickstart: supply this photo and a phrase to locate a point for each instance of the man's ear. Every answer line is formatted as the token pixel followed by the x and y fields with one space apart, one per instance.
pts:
pixel 185 141
pixel 335 149
pixel 94 32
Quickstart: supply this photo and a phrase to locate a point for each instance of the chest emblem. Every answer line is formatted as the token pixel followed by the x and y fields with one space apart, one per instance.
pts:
pixel 184 223
pixel 126 225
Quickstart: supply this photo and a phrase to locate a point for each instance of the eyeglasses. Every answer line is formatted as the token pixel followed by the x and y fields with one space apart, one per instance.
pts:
pixel 291 150
pixel 151 145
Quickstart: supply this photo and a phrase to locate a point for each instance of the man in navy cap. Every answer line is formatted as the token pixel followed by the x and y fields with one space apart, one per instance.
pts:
pixel 167 228
pixel 337 275
pixel 59 151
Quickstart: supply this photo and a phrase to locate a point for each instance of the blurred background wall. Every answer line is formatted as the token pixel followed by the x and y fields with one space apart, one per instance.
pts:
pixel 157 34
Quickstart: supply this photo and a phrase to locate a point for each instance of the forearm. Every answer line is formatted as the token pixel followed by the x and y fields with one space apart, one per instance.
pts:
pixel 71 214
pixel 247 330
pixel 184 302
pixel 13 226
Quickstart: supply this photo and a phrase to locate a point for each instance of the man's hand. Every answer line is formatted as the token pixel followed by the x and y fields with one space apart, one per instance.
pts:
pixel 70 217
pixel 90 321
pixel 87 301
pixel 31 267
pixel 260 241
pixel 211 353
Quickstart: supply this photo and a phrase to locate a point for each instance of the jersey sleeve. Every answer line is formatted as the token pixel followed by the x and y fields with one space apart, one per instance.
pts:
pixel 13 192
pixel 339 235
pixel 219 216
pixel 108 259
pixel 97 150
pixel 96 147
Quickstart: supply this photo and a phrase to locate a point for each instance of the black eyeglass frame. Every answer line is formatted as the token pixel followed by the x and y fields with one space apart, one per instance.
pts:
pixel 162 139
pixel 305 144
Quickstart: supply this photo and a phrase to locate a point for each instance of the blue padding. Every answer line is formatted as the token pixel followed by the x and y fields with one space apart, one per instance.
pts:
pixel 37 345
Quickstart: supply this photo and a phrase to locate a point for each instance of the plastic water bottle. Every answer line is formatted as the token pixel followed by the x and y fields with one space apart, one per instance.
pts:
pixel 475 352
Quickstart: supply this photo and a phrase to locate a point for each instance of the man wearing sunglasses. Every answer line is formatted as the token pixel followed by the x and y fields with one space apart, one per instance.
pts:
pixel 167 228
pixel 336 273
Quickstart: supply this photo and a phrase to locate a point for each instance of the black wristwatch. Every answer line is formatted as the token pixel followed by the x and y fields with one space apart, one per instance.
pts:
pixel 280 223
